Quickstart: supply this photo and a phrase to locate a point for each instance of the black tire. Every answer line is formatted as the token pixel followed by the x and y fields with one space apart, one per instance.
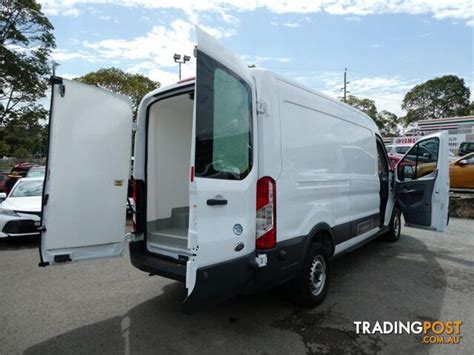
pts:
pixel 308 291
pixel 395 227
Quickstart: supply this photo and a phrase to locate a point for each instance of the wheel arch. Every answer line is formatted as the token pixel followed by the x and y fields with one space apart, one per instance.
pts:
pixel 321 232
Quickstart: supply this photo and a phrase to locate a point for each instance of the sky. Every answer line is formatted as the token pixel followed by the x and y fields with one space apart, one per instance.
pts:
pixel 387 46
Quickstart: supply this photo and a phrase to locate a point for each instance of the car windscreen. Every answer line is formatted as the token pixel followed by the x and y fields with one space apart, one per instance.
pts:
pixel 28 189
pixel 35 172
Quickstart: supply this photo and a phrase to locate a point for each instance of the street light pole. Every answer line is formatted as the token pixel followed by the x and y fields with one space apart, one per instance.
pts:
pixel 177 59
pixel 345 84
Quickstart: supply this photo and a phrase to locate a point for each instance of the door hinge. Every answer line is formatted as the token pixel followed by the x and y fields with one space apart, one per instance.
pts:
pixel 62 90
pixel 262 107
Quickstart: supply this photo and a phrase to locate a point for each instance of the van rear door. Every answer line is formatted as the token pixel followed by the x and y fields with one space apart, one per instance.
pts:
pixel 224 175
pixel 87 170
pixel 422 183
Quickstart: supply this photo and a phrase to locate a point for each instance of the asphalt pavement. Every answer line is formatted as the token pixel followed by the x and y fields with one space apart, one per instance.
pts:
pixel 109 306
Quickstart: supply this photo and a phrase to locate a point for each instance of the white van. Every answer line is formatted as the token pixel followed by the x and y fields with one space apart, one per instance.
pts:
pixel 242 180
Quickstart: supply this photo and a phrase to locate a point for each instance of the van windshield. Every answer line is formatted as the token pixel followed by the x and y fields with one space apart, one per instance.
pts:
pixel 223 122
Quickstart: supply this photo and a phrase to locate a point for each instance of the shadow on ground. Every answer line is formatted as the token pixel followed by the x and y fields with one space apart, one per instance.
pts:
pixel 16 243
pixel 378 282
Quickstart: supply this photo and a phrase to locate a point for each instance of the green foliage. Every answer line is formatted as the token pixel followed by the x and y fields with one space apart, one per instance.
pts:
pixel 445 96
pixel 135 86
pixel 26 41
pixel 365 105
pixel 388 123
pixel 24 132
pixel 21 153
pixel 470 109
pixel 4 149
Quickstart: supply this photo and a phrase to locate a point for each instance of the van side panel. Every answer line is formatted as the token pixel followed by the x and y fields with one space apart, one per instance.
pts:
pixel 268 125
pixel 365 183
pixel 314 185
pixel 327 153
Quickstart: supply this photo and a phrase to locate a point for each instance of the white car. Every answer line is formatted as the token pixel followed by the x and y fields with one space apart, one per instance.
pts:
pixel 398 149
pixel 20 212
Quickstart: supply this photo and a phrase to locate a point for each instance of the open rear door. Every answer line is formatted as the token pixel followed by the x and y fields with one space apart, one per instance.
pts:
pixel 88 164
pixel 223 185
pixel 422 183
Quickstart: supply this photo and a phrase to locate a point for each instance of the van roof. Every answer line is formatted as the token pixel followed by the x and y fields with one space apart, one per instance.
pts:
pixel 368 121
pixel 190 81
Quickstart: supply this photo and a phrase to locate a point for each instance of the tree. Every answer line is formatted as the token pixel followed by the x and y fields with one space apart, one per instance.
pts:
pixel 387 123
pixel 445 96
pixel 470 109
pixel 26 41
pixel 24 132
pixel 135 86
pixel 365 105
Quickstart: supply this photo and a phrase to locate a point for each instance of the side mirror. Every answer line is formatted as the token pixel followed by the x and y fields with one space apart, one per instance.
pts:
pixel 462 162
pixel 3 196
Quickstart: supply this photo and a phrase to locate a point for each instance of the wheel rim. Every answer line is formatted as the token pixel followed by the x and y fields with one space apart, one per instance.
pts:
pixel 317 278
pixel 396 224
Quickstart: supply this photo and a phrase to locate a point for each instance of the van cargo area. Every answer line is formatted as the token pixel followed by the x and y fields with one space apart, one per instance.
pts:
pixel 169 135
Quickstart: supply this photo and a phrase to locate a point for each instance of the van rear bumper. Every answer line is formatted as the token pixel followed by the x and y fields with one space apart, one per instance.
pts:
pixel 217 282
pixel 154 264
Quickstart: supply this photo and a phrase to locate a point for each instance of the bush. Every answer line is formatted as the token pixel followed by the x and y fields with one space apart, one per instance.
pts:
pixel 21 153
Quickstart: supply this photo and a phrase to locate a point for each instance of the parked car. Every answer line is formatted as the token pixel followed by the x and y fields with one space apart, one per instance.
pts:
pixel 17 172
pixel 465 148
pixel 423 154
pixel 397 149
pixel 20 212
pixel 36 171
pixel 22 168
pixel 224 204
pixel 3 180
pixel 461 172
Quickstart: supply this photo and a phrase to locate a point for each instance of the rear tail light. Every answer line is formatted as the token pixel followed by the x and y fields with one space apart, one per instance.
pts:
pixel 266 213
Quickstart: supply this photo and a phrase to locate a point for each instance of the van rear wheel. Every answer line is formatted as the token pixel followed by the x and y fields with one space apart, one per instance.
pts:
pixel 312 284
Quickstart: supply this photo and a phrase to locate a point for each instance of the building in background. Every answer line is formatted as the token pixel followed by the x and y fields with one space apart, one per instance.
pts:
pixel 460 129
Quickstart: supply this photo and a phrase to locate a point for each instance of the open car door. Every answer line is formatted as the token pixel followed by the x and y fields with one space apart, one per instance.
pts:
pixel 87 170
pixel 422 183
pixel 223 185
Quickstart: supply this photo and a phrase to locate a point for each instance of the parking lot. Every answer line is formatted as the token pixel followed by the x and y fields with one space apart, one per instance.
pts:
pixel 111 307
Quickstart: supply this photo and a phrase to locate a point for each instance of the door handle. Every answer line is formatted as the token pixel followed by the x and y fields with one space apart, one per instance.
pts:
pixel 408 191
pixel 216 202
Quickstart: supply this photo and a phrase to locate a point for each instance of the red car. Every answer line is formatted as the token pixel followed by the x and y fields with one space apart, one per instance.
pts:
pixel 394 159
pixel 17 172
pixel 3 180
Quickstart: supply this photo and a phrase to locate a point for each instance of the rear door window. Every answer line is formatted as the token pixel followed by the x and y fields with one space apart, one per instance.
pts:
pixel 223 123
